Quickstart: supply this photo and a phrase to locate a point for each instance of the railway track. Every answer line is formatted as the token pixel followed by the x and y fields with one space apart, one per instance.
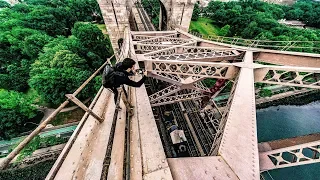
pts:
pixel 192 148
pixel 148 26
pixel 198 124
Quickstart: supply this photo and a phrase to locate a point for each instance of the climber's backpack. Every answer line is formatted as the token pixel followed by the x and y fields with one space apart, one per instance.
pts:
pixel 108 76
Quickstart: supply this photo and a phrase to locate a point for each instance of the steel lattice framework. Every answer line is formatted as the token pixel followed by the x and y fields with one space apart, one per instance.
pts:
pixel 185 65
pixel 291 156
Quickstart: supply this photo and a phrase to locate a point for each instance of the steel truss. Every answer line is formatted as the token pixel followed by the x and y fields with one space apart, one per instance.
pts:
pixel 307 153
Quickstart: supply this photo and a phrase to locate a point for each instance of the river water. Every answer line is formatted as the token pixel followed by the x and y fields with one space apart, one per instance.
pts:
pixel 278 122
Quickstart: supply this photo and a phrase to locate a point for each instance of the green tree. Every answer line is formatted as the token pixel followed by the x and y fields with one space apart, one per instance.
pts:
pixel 14 51
pixel 15 111
pixel 4 4
pixel 251 31
pixel 224 31
pixel 85 10
pixel 294 14
pixel 17 76
pixel 96 44
pixel 196 12
pixel 53 21
pixel 33 44
pixel 265 93
pixel 62 73
pixel 22 8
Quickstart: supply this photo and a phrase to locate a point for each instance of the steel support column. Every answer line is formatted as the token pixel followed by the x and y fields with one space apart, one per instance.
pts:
pixel 239 145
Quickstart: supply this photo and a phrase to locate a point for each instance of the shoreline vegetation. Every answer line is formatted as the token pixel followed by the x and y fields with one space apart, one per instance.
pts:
pixel 298 100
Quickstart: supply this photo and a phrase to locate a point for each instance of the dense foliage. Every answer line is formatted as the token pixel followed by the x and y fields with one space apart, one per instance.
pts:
pixel 265 93
pixel 196 12
pixel 67 62
pixel 4 4
pixel 305 10
pixel 15 111
pixel 254 19
pixel 26 27
pixel 52 47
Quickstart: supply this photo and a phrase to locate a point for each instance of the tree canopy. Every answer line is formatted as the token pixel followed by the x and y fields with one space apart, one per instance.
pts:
pixel 253 19
pixel 67 62
pixel 4 4
pixel 50 46
pixel 15 111
pixel 26 27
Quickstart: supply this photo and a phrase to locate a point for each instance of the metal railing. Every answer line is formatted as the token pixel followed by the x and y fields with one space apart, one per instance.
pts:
pixel 298 46
pixel 42 125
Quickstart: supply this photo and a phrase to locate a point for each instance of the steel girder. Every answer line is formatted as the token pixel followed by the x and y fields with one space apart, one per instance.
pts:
pixel 301 154
pixel 177 98
pixel 289 76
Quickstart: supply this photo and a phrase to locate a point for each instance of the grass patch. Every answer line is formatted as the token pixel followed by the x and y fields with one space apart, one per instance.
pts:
pixel 68 117
pixel 103 28
pixel 205 26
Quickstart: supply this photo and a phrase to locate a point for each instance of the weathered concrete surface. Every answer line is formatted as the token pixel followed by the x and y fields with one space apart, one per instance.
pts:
pixel 179 13
pixel 116 18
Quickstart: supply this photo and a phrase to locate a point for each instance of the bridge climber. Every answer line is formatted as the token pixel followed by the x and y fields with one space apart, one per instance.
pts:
pixel 108 144
pixel 114 77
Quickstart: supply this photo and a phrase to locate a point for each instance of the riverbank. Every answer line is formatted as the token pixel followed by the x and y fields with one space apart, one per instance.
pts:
pixel 300 99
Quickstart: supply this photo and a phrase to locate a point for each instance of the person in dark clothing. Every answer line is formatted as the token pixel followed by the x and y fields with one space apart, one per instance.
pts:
pixel 125 69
